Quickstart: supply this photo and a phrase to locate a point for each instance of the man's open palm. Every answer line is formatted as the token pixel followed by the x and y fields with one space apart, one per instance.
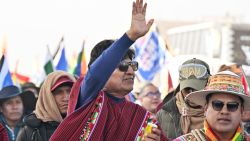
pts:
pixel 139 26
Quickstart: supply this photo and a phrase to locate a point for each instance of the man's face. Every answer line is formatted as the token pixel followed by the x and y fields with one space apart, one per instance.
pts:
pixel 150 98
pixel 120 83
pixel 224 120
pixel 12 109
pixel 61 95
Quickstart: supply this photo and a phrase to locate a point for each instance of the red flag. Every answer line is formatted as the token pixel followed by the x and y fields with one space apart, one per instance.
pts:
pixel 19 78
pixel 244 81
pixel 170 83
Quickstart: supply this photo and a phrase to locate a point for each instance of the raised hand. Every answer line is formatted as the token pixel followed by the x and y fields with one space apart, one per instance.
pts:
pixel 139 27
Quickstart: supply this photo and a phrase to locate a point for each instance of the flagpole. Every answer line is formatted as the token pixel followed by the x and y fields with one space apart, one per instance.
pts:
pixel 58 47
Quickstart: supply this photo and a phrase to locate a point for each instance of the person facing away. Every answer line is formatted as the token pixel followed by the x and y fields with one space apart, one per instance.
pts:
pixel 101 111
pixel 31 95
pixel 51 108
pixel 11 110
pixel 30 86
pixel 150 97
pixel 177 116
pixel 224 101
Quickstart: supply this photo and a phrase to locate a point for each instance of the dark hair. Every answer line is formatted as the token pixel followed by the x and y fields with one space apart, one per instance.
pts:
pixel 103 45
pixel 210 95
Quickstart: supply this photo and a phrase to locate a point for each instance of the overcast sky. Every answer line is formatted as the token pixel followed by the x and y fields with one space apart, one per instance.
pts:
pixel 30 25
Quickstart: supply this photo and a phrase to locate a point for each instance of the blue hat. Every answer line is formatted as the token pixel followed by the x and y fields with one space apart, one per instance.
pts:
pixel 28 98
pixel 9 91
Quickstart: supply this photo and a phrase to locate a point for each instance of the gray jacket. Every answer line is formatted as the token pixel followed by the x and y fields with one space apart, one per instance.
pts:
pixel 169 119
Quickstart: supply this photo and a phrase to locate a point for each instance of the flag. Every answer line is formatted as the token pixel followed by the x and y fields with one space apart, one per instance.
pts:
pixel 81 66
pixel 5 76
pixel 150 55
pixel 62 63
pixel 48 66
pixel 170 83
pixel 19 78
pixel 245 81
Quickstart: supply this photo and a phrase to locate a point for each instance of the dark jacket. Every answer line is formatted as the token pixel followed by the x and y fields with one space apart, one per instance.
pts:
pixel 36 130
pixel 169 119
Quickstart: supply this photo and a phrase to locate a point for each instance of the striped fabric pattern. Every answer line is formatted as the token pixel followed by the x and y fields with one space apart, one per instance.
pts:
pixel 209 133
pixel 121 120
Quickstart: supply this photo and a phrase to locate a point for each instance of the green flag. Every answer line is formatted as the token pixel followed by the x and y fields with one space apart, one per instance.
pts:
pixel 48 66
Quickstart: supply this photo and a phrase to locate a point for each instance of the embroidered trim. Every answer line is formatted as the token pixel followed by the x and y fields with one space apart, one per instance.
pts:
pixel 89 126
pixel 226 87
pixel 225 83
pixel 149 119
pixel 238 136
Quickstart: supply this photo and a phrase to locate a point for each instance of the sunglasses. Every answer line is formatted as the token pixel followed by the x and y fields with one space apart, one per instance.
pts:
pixel 231 106
pixel 123 66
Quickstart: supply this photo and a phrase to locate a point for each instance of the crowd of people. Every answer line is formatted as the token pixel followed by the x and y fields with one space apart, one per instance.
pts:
pixel 204 107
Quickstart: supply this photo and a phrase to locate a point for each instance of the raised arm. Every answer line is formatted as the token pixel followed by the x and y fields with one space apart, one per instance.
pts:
pixel 102 68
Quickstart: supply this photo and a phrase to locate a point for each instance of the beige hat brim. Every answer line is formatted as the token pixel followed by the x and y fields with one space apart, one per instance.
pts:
pixel 199 97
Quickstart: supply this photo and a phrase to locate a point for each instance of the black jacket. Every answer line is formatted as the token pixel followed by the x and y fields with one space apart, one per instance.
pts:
pixel 36 130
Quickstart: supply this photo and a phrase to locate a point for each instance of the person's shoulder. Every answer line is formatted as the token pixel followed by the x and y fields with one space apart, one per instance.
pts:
pixel 170 105
pixel 137 105
pixel 32 121
pixel 167 109
pixel 186 137
pixel 161 112
pixel 194 135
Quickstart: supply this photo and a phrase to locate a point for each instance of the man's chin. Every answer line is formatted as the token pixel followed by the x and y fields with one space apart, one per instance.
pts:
pixel 63 115
pixel 129 90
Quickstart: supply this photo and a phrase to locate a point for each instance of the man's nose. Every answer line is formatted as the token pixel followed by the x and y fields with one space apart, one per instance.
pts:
pixel 66 95
pixel 224 109
pixel 130 70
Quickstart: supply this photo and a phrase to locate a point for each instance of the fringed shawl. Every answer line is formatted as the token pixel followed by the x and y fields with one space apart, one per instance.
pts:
pixel 89 122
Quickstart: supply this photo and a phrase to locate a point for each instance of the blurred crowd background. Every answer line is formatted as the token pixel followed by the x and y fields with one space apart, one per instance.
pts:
pixel 33 33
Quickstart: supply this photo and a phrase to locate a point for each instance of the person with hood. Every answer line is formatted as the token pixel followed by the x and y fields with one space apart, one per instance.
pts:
pixel 177 116
pixel 51 108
